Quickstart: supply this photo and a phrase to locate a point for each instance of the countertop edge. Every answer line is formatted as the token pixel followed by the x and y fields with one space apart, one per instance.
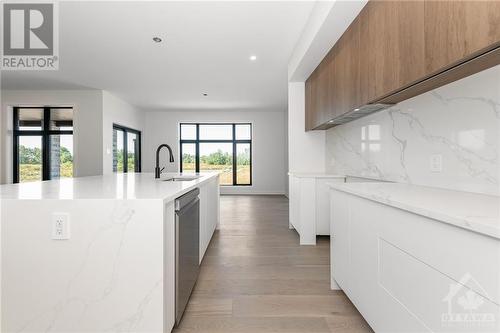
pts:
pixel 191 187
pixel 314 175
pixel 457 221
pixel 161 197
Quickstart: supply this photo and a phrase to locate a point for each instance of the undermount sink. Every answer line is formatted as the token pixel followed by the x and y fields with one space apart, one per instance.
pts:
pixel 181 179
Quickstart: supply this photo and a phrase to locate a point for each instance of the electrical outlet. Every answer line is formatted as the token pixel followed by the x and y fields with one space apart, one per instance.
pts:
pixel 436 162
pixel 60 226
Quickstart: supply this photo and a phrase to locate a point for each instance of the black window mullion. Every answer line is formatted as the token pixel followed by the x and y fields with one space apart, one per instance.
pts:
pixel 138 149
pixel 251 181
pixel 234 154
pixel 197 150
pixel 46 144
pixel 15 166
pixel 125 152
pixel 181 159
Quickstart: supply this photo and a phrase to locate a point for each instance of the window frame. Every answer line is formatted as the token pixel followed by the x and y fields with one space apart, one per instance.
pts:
pixel 233 141
pixel 44 133
pixel 125 131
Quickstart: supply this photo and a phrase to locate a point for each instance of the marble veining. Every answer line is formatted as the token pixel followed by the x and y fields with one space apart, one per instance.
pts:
pixel 459 122
pixel 114 244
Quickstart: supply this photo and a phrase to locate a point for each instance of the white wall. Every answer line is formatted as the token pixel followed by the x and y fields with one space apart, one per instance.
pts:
pixel 268 145
pixel 117 111
pixel 326 24
pixel 306 150
pixel 87 137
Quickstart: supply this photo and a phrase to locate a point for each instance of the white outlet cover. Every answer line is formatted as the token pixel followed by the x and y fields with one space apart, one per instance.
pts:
pixel 436 163
pixel 60 226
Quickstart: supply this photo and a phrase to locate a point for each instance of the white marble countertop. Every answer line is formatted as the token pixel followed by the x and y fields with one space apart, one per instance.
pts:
pixel 476 212
pixel 113 186
pixel 314 175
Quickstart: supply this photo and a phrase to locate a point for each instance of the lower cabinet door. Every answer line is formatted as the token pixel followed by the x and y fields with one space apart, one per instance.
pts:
pixel 339 239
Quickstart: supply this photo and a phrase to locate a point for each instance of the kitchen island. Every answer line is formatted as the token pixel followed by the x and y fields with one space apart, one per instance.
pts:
pixel 113 267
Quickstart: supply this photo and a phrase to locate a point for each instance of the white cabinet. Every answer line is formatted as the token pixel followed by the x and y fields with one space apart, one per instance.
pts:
pixel 309 211
pixel 409 273
pixel 339 241
pixel 209 212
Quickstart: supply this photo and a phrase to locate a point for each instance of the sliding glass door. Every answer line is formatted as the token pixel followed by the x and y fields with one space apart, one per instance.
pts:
pixel 126 149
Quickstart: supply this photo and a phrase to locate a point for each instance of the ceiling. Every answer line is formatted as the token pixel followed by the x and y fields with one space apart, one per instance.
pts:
pixel 206 48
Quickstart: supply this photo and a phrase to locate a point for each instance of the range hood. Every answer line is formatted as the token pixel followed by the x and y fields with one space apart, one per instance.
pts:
pixel 362 111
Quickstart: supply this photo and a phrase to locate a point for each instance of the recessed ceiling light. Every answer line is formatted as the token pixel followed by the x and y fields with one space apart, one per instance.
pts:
pixel 253 58
pixel 157 39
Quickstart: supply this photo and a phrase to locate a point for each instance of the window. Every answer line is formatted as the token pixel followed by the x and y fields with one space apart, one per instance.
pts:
pixel 43 143
pixel 223 147
pixel 126 149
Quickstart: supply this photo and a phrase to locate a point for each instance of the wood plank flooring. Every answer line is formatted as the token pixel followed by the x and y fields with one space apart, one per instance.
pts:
pixel 256 278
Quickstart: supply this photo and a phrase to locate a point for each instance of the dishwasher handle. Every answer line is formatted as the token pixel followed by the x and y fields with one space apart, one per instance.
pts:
pixel 186 199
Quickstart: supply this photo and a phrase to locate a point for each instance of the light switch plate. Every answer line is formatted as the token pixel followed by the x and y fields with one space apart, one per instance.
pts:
pixel 436 163
pixel 60 226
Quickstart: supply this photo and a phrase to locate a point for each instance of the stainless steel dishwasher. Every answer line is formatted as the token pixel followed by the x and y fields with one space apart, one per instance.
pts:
pixel 187 248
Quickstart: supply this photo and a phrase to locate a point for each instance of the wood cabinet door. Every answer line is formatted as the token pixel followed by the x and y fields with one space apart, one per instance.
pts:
pixel 344 72
pixel 458 30
pixel 391 46
pixel 310 112
pixel 323 92
pixel 317 95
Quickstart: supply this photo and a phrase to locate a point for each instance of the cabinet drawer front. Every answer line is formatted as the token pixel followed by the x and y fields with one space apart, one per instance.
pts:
pixel 453 251
pixel 436 301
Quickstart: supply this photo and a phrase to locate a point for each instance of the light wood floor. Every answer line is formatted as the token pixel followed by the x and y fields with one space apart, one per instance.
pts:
pixel 256 278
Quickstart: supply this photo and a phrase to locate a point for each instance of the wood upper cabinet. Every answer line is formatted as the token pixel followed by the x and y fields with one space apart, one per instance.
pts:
pixel 333 87
pixel 310 107
pixel 344 73
pixel 318 95
pixel 391 46
pixel 395 50
pixel 458 30
pixel 323 91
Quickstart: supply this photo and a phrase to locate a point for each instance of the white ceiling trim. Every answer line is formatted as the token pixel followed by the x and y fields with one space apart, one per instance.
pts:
pixel 326 24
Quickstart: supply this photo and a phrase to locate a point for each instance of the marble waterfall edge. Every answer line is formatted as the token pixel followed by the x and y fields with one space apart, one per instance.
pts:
pixel 66 286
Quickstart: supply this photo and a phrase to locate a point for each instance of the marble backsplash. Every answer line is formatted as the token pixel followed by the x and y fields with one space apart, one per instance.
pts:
pixel 457 124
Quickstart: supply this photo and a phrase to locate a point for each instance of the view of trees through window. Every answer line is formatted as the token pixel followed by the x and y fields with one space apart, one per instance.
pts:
pixel 30 163
pixel 222 147
pixel 119 161
pixel 222 161
pixel 126 147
